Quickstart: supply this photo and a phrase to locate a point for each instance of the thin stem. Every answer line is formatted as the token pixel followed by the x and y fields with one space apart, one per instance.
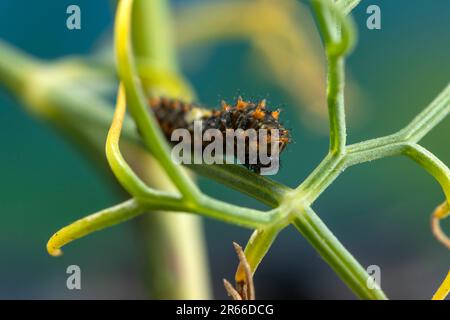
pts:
pixel 335 98
pixel 419 127
pixel 337 45
pixel 15 68
pixel 175 262
pixel 441 173
pixel 206 206
pixel 173 244
pixel 337 29
pixel 153 35
pixel 339 36
pixel 358 156
pixel 226 212
pixel 154 47
pixel 256 248
pixel 429 118
pixel 94 222
pixel 339 259
pixel 150 131
pixel 443 289
pixel 243 180
pixel 127 178
pixel 212 208
pixel 368 145
pixel 427 160
pixel 432 164
pixel 347 5
pixel 324 174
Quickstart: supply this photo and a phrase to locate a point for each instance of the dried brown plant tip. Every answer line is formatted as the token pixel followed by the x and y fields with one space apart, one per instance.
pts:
pixel 231 291
pixel 441 212
pixel 245 289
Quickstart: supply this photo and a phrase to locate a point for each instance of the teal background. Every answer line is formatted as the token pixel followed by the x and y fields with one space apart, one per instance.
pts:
pixel 380 211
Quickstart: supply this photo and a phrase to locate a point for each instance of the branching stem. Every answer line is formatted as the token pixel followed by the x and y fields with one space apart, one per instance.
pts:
pixel 290 206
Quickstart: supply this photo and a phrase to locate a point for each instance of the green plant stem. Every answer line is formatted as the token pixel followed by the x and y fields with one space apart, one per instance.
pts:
pixel 139 108
pixel 432 164
pixel 174 252
pixel 331 250
pixel 126 176
pixel 335 98
pixel 321 177
pixel 152 34
pixel 256 248
pixel 429 118
pixel 347 5
pixel 338 31
pixel 419 154
pixel 305 220
pixel 175 262
pixel 14 68
pixel 243 180
pixel 226 212
pixel 100 220
pixel 208 207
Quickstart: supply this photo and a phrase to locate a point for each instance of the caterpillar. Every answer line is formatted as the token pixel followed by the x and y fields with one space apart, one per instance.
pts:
pixel 174 114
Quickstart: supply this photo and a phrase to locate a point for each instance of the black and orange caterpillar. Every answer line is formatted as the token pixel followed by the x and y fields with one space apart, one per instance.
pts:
pixel 174 114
